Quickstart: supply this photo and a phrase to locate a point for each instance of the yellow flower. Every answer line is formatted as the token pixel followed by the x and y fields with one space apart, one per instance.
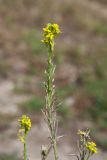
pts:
pixel 25 123
pixel 91 146
pixel 25 126
pixel 21 135
pixel 81 133
pixel 50 32
pixel 84 134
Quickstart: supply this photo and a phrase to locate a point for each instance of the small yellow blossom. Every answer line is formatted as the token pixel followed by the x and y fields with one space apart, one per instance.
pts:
pixel 25 123
pixel 50 32
pixel 84 134
pixel 25 126
pixel 91 146
pixel 81 133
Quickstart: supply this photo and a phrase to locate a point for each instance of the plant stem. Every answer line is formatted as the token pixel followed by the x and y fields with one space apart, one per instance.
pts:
pixel 25 149
pixel 55 150
pixel 50 108
pixel 89 154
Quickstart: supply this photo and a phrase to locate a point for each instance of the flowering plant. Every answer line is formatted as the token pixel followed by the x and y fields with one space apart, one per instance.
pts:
pixel 25 126
pixel 86 147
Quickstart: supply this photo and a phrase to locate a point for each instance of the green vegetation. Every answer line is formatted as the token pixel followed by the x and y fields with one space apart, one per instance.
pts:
pixel 33 105
pixel 96 90
pixel 66 90
pixel 102 142
pixel 100 29
pixel 4 69
pixel 9 157
pixel 64 112
pixel 8 20
pixel 32 39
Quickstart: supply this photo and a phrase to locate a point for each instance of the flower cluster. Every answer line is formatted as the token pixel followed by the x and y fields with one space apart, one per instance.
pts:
pixel 84 134
pixel 50 32
pixel 86 146
pixel 25 126
pixel 25 123
pixel 91 146
pixel 81 133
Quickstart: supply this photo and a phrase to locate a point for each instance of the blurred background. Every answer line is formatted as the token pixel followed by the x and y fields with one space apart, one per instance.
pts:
pixel 81 74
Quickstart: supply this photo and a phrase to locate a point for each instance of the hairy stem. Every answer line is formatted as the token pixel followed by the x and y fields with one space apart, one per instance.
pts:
pixel 51 112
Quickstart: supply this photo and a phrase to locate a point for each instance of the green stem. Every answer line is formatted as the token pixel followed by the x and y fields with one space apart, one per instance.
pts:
pixel 25 149
pixel 89 154
pixel 43 157
pixel 55 150
pixel 50 99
